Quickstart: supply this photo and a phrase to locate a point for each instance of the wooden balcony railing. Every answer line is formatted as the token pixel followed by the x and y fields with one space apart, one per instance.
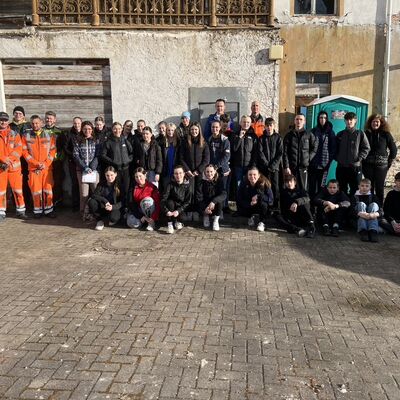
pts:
pixel 152 13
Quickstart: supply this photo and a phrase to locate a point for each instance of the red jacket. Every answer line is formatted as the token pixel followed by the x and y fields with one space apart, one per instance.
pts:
pixel 148 190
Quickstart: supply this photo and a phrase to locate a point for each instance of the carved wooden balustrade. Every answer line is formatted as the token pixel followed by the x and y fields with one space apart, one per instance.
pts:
pixel 153 13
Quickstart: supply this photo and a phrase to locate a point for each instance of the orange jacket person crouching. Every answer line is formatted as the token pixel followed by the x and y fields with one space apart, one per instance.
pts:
pixel 10 167
pixel 39 150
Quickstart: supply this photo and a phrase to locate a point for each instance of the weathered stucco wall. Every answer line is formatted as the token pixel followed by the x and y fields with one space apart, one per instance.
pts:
pixel 151 72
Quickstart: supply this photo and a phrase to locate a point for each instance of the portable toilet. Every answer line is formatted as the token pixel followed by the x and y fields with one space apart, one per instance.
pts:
pixel 336 106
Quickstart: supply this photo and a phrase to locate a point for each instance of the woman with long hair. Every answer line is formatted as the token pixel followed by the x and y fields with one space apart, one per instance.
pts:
pixel 383 152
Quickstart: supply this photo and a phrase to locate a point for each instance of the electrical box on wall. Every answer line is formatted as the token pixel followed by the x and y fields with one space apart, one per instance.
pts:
pixel 276 52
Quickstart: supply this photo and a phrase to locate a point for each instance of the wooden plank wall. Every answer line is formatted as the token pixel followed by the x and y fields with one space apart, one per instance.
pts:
pixel 68 90
pixel 18 7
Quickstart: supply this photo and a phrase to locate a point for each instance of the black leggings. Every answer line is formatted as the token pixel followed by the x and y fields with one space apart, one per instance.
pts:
pixel 101 213
pixel 172 206
pixel 332 217
pixel 377 175
pixel 293 221
pixel 216 212
pixel 260 208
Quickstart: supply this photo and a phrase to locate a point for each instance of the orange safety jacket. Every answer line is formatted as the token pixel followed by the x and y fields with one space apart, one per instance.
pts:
pixel 38 147
pixel 10 149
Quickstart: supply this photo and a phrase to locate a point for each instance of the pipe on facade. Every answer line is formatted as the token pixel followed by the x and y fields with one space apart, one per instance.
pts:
pixel 386 70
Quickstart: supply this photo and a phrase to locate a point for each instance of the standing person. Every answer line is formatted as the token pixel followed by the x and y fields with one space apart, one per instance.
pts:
pixel 170 153
pixel 210 196
pixel 367 208
pixel 219 111
pixel 140 124
pixel 105 202
pixel 319 166
pixel 39 150
pixel 162 128
pixel 391 209
pixel 383 152
pixel 243 149
pixel 257 120
pixel 254 198
pixel 118 153
pixel 58 170
pixel 19 124
pixel 10 167
pixel 101 131
pixel 148 156
pixel 86 152
pixel 183 129
pixel 127 128
pixel 352 148
pixel 299 148
pixel 194 156
pixel 269 157
pixel 220 154
pixel 176 199
pixel 144 202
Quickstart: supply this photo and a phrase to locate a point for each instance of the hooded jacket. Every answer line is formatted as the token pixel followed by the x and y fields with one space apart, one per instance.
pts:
pixel 210 191
pixel 117 152
pixel 150 160
pixel 269 152
pixel 324 133
pixel 194 158
pixel 243 149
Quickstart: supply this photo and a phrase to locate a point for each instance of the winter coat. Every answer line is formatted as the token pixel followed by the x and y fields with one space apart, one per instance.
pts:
pixel 380 142
pixel 243 150
pixel 86 153
pixel 220 153
pixel 10 151
pixel 150 161
pixel 351 148
pixel 299 148
pixel 194 158
pixel 179 194
pixel 137 194
pixel 164 145
pixel 100 194
pixel 323 133
pixel 210 191
pixel 269 152
pixel 117 152
pixel 338 198
pixel 288 197
pixel 246 192
pixel 391 206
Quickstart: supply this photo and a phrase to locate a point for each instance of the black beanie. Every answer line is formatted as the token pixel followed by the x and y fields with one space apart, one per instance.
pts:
pixel 19 108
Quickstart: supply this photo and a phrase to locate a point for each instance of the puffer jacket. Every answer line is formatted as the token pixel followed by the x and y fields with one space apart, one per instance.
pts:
pixel 243 150
pixel 299 148
pixel 380 142
pixel 179 193
pixel 150 160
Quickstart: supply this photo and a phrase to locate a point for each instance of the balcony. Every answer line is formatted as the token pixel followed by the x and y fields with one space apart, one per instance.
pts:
pixel 154 14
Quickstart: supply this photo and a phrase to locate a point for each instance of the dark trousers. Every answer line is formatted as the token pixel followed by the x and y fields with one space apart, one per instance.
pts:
pixel 124 182
pixel 101 213
pixel 216 212
pixel 274 179
pixel 172 206
pixel 332 217
pixel 293 221
pixel 301 175
pixel 377 175
pixel 58 176
pixel 387 226
pixel 348 177
pixel 75 198
pixel 260 208
pixel 193 185
pixel 315 181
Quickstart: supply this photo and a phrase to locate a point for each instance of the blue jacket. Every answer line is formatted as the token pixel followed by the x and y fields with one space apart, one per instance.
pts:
pixel 220 153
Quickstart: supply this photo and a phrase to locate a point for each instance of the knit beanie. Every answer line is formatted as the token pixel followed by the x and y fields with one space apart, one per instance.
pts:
pixel 19 108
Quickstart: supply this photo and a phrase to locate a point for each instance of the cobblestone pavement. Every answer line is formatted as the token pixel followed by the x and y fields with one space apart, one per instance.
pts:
pixel 129 315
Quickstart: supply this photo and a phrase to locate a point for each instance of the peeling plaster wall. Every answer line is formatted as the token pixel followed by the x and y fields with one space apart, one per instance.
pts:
pixel 151 72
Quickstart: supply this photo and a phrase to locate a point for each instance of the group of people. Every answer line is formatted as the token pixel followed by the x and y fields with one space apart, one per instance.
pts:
pixel 133 176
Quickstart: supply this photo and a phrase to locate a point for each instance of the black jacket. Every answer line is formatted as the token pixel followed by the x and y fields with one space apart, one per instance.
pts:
pixel 288 197
pixel 337 198
pixel 194 158
pixel 299 148
pixel 269 152
pixel 179 194
pixel 246 192
pixel 323 133
pixel 68 140
pixel 351 148
pixel 210 191
pixel 391 206
pixel 243 150
pixel 380 142
pixel 100 193
pixel 150 161
pixel 117 152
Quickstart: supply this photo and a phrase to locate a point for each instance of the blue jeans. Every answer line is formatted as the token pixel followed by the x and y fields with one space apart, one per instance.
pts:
pixel 240 172
pixel 367 224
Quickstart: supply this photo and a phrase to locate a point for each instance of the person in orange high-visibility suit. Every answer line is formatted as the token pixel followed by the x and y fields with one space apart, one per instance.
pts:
pixel 39 150
pixel 10 167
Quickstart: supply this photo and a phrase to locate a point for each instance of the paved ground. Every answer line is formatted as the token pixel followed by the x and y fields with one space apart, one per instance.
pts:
pixel 233 315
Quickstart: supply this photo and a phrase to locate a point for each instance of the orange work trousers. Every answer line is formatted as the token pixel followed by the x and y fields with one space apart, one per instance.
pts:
pixel 14 178
pixel 41 185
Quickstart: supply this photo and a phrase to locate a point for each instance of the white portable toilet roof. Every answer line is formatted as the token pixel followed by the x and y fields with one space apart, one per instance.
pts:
pixel 338 96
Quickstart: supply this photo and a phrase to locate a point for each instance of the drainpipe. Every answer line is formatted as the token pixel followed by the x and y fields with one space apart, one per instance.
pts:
pixel 2 91
pixel 386 71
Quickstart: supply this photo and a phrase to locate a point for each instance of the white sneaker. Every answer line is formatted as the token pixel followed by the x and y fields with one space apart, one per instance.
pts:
pixel 261 227
pixel 215 226
pixel 206 221
pixel 99 226
pixel 251 222
pixel 196 217
pixel 170 228
pixel 178 226
pixel 150 227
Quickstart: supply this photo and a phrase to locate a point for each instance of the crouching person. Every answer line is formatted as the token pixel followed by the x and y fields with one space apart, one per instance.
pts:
pixel 296 215
pixel 144 202
pixel 332 207
pixel 255 198
pixel 366 206
pixel 105 203
pixel 176 199
pixel 210 197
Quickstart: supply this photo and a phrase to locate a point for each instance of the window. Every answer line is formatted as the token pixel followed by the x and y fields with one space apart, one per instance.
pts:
pixel 315 7
pixel 313 77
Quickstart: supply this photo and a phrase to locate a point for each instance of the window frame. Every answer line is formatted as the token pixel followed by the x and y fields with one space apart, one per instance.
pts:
pixel 336 9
